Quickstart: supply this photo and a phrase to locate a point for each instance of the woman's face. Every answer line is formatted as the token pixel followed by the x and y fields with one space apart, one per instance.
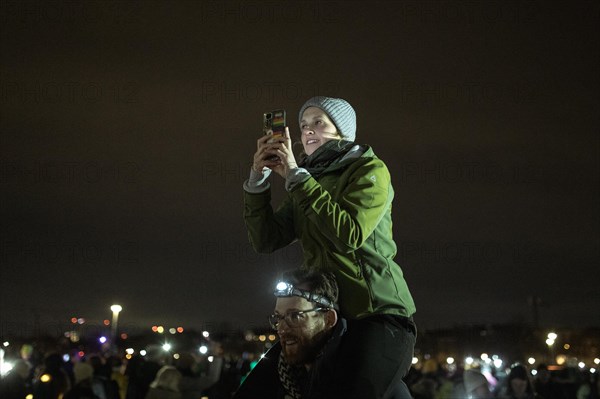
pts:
pixel 317 129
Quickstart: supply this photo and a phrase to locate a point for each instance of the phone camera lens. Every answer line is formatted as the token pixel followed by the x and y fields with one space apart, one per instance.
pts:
pixel 269 116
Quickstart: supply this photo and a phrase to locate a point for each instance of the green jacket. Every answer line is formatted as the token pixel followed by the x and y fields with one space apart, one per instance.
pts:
pixel 343 220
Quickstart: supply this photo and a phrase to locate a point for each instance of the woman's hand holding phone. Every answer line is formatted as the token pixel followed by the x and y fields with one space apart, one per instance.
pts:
pixel 275 154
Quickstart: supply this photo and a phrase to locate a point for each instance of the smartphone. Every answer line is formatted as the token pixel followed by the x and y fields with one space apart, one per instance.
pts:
pixel 274 123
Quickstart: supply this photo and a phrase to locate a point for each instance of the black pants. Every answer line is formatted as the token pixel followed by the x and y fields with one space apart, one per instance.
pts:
pixel 375 354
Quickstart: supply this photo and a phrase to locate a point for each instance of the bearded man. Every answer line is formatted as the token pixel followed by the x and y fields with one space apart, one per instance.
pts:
pixel 302 364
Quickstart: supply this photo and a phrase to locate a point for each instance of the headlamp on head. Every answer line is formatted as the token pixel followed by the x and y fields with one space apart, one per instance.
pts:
pixel 284 290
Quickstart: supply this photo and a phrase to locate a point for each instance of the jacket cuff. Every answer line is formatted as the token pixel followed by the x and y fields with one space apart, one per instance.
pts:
pixel 295 176
pixel 257 182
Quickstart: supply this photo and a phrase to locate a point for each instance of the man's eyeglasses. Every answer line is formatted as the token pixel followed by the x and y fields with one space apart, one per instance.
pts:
pixel 293 319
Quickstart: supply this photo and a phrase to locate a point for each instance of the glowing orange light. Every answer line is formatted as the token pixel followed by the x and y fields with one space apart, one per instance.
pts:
pixel 155 328
pixel 74 320
pixel 179 330
pixel 81 353
pixel 124 336
pixel 106 322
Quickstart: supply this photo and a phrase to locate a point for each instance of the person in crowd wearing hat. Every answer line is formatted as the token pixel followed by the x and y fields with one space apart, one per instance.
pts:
pixel 142 371
pixel 518 384
pixel 476 385
pixel 339 208
pixel 303 363
pixel 166 384
pixel 193 385
pixel 84 373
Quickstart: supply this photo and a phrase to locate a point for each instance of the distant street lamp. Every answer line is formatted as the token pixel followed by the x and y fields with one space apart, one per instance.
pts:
pixel 551 338
pixel 115 320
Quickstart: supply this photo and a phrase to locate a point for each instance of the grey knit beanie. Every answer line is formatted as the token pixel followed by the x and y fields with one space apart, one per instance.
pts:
pixel 339 111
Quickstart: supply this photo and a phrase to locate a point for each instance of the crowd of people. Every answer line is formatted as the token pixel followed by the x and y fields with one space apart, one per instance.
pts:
pixel 157 376
pixel 101 376
pixel 434 382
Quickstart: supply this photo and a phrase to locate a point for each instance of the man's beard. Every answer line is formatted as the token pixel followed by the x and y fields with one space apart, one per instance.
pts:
pixel 305 351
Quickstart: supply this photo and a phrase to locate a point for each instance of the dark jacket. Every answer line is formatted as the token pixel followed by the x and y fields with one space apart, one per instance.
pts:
pixel 263 381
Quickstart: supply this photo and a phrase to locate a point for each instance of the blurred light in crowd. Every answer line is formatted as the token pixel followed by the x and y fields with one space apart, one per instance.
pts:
pixel 81 353
pixel 497 363
pixel 560 360
pixel 176 356
pixel 74 320
pixel 596 361
pixel 549 342
pixel 66 357
pixel 179 330
pixel 73 336
pixel 130 351
pixel 5 343
pixel 592 370
pixel 484 356
pixel 155 328
pixel 124 336
pixel 30 396
pixel 272 337
pixel 531 360
pixel 166 346
pixel 205 334
pixel 45 378
pixel 211 358
pixel 160 329
pixel 128 356
pixel 262 338
pixel 469 360
pixel 106 322
pixel 102 340
pixel 450 360
pixel 143 352
pixel 552 336
pixel 5 367
pixel 581 365
pixel 172 330
pixel 534 372
pixel 415 360
pixel 567 346
pixel 203 349
pixel 80 320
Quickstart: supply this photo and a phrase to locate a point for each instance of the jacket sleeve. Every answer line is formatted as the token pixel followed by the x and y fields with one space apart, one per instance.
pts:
pixel 268 231
pixel 362 204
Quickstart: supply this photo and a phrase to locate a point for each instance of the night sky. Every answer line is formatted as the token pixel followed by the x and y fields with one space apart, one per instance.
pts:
pixel 129 127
